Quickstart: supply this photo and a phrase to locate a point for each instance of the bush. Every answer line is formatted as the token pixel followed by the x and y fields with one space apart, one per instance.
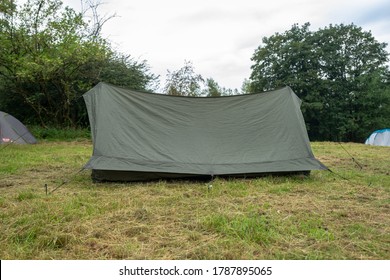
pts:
pixel 60 134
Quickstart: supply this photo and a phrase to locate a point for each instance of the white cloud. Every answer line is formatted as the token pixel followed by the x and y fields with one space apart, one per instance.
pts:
pixel 219 37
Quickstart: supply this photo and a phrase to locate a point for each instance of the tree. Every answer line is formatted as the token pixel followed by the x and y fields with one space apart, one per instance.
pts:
pixel 123 70
pixel 50 56
pixel 184 82
pixel 334 70
pixel 213 89
pixel 246 86
pixel 7 8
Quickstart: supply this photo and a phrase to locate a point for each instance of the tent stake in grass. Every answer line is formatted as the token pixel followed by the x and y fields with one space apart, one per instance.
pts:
pixel 14 140
pixel 66 181
pixel 353 159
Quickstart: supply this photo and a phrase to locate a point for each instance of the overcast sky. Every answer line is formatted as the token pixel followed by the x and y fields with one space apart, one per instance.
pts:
pixel 220 37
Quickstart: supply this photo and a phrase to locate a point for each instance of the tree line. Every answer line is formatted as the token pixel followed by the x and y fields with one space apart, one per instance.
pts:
pixel 340 72
pixel 50 55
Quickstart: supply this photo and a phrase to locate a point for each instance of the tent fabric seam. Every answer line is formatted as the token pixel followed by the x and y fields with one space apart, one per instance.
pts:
pixel 216 164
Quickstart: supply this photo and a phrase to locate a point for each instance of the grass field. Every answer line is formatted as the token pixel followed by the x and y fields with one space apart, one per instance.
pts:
pixel 319 217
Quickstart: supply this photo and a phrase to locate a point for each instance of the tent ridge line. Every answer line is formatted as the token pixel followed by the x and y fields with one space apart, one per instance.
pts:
pixel 189 97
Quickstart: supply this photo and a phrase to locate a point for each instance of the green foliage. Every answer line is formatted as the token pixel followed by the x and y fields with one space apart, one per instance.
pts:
pixel 60 134
pixel 339 72
pixel 213 89
pixel 123 70
pixel 50 56
pixel 184 82
pixel 246 87
pixel 7 7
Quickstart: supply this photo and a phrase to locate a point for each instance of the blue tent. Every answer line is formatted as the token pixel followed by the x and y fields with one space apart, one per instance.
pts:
pixel 379 138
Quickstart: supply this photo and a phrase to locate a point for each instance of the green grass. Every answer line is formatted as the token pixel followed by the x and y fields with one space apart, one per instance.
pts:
pixel 60 134
pixel 318 217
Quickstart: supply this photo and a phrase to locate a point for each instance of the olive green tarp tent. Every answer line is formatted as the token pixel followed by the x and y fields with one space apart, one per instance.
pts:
pixel 142 136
